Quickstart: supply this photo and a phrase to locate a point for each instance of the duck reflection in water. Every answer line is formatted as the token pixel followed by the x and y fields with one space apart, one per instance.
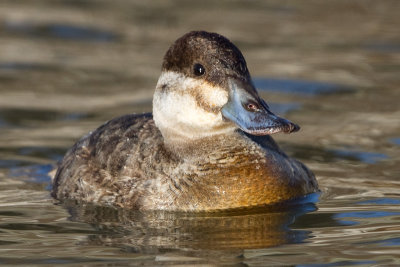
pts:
pixel 156 231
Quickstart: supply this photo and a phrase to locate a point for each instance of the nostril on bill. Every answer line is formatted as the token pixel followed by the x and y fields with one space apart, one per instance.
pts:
pixel 251 106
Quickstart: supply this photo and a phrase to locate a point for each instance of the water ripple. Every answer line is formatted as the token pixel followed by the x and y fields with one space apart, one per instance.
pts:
pixel 307 88
pixel 61 31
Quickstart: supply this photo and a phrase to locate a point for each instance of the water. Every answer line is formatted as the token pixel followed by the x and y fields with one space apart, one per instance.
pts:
pixel 332 67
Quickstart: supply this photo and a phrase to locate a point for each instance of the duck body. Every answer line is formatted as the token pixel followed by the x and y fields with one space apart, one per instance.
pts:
pixel 206 147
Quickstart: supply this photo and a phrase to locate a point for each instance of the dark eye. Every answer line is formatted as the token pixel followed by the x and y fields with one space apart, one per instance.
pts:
pixel 198 69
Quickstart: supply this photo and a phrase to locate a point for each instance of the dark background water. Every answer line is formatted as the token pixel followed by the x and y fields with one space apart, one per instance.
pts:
pixel 331 66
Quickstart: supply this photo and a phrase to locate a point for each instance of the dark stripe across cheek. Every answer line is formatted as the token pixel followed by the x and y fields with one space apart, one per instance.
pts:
pixel 203 103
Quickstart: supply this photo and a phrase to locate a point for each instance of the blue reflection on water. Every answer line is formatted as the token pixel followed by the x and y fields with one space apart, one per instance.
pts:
pixel 15 117
pixel 80 33
pixel 42 152
pixel 10 163
pixel 362 215
pixel 380 201
pixel 366 157
pixel 390 242
pixel 385 242
pixel 309 88
pixel 366 214
pixel 37 173
pixel 6 66
pixel 62 31
pixel 283 108
pixel 395 140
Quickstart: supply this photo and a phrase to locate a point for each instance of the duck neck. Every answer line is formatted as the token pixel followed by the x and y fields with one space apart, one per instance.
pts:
pixel 201 148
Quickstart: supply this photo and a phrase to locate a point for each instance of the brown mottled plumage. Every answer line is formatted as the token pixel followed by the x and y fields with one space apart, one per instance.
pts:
pixel 191 156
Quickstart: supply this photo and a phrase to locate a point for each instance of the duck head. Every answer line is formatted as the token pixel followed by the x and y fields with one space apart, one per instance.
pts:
pixel 205 89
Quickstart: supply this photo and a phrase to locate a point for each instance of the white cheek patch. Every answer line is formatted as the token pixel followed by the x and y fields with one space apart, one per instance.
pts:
pixel 176 111
pixel 214 96
pixel 183 109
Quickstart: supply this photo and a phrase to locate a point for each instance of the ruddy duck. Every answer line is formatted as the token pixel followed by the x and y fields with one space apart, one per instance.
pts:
pixel 206 147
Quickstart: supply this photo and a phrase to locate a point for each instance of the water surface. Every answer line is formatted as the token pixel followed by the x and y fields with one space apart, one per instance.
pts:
pixel 332 67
